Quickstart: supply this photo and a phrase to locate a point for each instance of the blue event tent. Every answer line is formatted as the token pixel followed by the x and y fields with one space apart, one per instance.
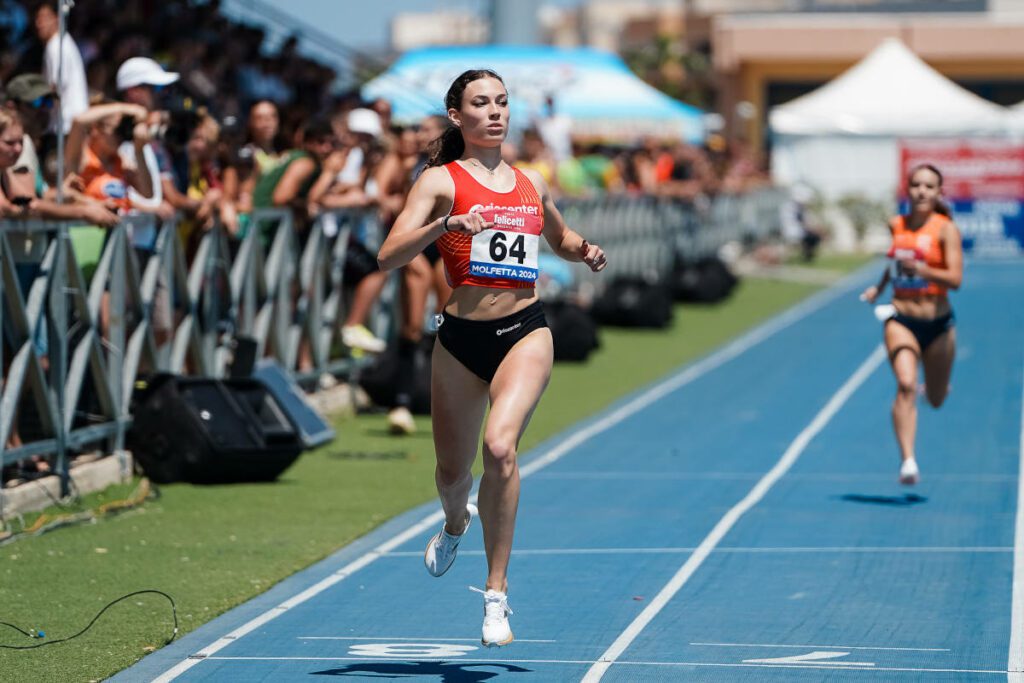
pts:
pixel 593 88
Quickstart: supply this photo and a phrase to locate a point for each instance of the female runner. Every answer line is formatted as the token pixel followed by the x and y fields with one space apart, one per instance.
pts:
pixel 493 342
pixel 927 261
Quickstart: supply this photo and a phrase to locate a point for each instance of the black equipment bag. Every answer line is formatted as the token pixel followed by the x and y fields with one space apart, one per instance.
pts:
pixel 573 330
pixel 634 302
pixel 706 280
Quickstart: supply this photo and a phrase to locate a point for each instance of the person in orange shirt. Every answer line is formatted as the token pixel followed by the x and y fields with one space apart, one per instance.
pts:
pixel 926 262
pixel 91 151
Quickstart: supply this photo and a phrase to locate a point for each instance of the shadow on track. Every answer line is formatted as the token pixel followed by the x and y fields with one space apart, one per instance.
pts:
pixel 905 500
pixel 447 672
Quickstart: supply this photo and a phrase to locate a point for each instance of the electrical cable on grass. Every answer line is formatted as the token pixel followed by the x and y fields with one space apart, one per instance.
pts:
pixel 33 633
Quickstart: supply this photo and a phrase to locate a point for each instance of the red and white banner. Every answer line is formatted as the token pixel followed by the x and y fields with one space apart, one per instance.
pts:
pixel 971 169
pixel 983 182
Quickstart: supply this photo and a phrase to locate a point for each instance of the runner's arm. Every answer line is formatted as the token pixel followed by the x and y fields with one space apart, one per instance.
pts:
pixel 565 242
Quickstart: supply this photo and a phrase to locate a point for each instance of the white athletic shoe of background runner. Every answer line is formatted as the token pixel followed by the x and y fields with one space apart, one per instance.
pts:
pixel 443 546
pixel 909 474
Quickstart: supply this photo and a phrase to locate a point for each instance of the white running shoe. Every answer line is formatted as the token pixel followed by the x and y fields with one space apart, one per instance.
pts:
pixel 909 474
pixel 496 630
pixel 442 548
pixel 400 421
pixel 358 337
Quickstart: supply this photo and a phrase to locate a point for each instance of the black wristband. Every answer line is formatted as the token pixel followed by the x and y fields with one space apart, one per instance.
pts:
pixel 444 222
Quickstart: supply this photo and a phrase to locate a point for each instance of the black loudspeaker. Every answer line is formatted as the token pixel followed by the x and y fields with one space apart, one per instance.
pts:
pixel 313 430
pixel 206 431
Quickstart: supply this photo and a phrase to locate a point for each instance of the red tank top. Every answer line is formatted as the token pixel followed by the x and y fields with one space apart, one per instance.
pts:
pixel 923 244
pixel 505 256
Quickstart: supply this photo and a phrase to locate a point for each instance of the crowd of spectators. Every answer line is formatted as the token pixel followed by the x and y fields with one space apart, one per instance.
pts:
pixel 170 108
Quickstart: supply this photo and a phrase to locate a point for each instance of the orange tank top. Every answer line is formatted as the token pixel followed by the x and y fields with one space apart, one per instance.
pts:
pixel 505 256
pixel 103 184
pixel 923 244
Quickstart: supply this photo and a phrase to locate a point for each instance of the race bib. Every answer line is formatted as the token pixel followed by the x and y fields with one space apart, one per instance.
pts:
pixel 508 251
pixel 901 279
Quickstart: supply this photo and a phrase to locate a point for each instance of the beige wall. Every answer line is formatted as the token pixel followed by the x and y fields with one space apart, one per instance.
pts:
pixel 749 53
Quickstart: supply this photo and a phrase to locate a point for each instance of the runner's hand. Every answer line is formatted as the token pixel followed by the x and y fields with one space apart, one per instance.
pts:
pixel 593 256
pixel 468 223
pixel 911 266
pixel 870 294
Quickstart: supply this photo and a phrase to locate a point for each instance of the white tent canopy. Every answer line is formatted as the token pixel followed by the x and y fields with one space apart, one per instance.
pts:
pixel 843 138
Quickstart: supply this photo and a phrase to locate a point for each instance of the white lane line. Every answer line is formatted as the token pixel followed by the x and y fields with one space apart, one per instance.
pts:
pixel 743 476
pixel 736 549
pixel 684 377
pixel 427 639
pixel 499 662
pixel 732 516
pixel 828 647
pixel 1015 662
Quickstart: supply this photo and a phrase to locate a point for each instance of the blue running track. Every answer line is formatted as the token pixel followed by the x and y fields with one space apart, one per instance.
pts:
pixel 740 520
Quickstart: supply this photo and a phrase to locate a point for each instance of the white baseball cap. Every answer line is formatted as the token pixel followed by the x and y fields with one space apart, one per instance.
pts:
pixel 364 121
pixel 143 71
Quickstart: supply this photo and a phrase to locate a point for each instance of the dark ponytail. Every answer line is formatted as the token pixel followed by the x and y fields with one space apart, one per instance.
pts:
pixel 450 145
pixel 940 206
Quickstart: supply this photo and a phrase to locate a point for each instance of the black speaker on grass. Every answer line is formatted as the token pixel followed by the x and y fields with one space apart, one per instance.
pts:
pixel 207 431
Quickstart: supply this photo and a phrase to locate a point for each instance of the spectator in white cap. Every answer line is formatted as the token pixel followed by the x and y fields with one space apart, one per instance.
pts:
pixel 143 71
pixel 363 128
pixel 62 65
pixel 347 182
pixel 137 81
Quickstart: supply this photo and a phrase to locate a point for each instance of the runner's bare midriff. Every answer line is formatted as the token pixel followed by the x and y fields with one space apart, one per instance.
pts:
pixel 488 303
pixel 926 307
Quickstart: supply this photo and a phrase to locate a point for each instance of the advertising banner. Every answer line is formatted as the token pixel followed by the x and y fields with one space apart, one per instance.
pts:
pixel 983 182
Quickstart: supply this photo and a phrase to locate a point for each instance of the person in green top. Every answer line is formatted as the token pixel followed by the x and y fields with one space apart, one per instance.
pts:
pixel 288 183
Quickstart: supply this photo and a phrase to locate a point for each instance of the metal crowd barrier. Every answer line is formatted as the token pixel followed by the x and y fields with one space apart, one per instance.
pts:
pixel 276 294
pixel 645 237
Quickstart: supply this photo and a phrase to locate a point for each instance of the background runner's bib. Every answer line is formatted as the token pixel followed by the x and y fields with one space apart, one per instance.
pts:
pixel 923 245
pixel 508 251
pixel 902 280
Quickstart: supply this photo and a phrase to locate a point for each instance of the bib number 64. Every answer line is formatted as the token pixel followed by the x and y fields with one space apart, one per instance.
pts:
pixel 500 249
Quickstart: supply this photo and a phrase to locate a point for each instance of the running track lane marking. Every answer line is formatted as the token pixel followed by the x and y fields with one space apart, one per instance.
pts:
pixel 762 487
pixel 684 377
pixel 727 665
pixel 827 647
pixel 730 549
pixel 1015 663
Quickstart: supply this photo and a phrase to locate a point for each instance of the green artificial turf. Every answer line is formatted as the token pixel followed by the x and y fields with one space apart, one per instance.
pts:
pixel 214 547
